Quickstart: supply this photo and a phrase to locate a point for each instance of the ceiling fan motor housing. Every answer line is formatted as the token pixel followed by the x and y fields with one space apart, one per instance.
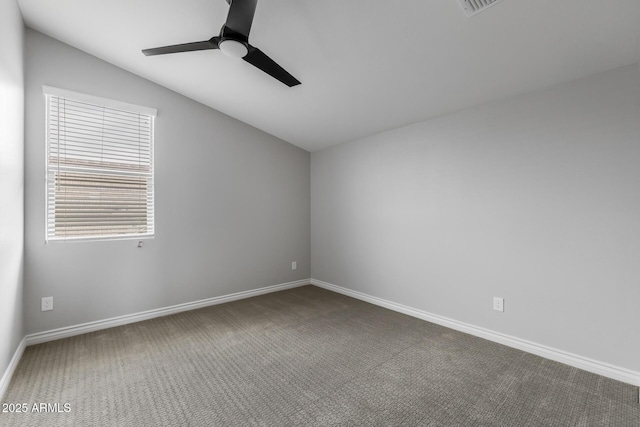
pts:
pixel 232 43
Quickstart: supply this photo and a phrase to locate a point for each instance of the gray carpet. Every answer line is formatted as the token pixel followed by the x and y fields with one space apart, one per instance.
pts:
pixel 305 356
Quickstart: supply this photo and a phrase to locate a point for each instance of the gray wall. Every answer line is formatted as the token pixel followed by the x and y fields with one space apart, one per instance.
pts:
pixel 11 180
pixel 232 204
pixel 535 199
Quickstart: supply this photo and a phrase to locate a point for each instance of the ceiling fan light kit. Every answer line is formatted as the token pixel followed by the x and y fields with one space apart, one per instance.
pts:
pixel 233 48
pixel 233 41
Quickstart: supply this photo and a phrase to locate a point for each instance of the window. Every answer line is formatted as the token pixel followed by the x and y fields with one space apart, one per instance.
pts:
pixel 99 168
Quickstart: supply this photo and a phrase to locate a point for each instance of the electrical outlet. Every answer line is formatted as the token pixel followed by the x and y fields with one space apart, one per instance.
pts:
pixel 498 304
pixel 47 304
pixel 294 265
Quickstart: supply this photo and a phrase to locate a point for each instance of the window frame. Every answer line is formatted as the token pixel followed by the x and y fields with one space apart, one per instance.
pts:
pixel 101 102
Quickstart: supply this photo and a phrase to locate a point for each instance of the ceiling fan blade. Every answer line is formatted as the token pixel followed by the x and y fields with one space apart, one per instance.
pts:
pixel 185 47
pixel 258 59
pixel 240 16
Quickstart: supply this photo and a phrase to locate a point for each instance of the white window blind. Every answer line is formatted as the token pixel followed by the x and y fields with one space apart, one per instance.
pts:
pixel 99 168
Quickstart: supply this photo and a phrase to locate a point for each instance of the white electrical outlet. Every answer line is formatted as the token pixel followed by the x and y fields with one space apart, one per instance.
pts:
pixel 498 304
pixel 294 265
pixel 47 304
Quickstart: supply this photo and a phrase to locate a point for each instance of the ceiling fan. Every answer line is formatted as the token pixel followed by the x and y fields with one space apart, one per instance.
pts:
pixel 233 40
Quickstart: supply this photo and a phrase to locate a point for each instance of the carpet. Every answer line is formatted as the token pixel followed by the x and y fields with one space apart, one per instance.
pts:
pixel 304 356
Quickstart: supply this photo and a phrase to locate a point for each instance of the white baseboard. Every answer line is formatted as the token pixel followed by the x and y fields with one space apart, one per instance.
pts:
pixel 13 364
pixel 600 368
pixel 70 331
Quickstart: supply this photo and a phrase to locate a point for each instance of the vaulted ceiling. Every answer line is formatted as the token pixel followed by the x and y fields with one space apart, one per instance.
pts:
pixel 365 66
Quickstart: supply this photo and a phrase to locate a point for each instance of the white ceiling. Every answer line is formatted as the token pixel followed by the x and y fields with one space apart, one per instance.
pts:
pixel 365 66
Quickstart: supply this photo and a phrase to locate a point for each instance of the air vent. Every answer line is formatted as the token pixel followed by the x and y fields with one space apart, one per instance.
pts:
pixel 472 7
